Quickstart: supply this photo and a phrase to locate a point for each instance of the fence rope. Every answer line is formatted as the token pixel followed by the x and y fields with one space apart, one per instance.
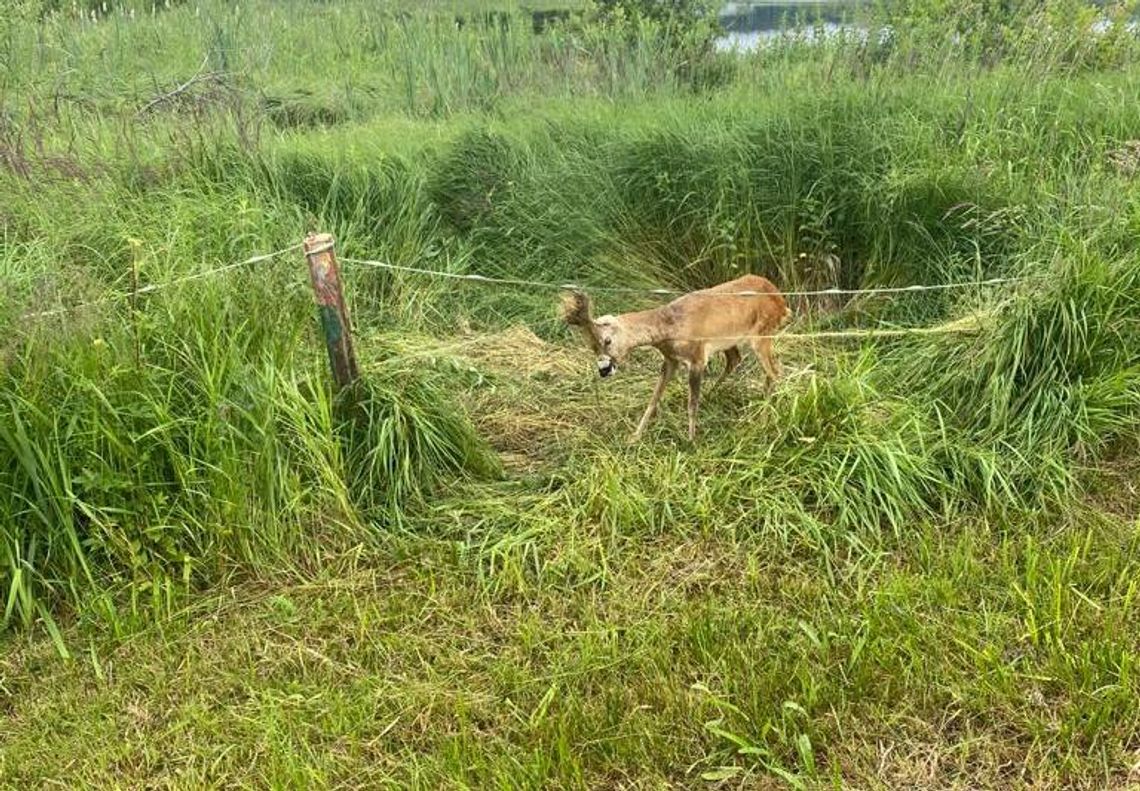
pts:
pixel 509 281
pixel 152 287
pixel 955 326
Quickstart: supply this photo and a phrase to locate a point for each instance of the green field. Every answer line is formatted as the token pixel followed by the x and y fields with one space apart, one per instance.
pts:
pixel 916 564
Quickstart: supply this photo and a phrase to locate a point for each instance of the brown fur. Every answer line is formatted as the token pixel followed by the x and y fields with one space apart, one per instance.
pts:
pixel 689 331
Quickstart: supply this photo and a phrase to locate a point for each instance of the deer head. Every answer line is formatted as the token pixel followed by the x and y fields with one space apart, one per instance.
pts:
pixel 605 335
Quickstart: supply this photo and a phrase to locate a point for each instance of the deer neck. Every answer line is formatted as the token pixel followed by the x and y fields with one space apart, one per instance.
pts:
pixel 643 327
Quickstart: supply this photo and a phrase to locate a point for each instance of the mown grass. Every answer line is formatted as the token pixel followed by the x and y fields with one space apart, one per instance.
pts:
pixel 914 564
pixel 919 663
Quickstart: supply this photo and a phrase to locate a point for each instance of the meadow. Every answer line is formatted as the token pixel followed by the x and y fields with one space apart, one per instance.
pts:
pixel 914 565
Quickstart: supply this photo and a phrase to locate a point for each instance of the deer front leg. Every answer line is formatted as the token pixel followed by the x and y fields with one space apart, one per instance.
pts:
pixel 696 373
pixel 667 369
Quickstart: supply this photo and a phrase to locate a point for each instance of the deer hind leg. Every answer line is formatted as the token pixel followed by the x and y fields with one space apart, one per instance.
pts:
pixel 667 369
pixel 763 349
pixel 732 358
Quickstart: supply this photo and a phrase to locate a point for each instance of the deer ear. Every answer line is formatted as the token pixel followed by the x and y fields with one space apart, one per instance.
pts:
pixel 576 309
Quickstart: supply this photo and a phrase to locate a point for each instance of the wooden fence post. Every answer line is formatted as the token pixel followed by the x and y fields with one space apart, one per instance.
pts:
pixel 330 307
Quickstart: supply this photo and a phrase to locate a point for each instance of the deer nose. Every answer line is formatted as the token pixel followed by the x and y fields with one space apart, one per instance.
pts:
pixel 606 367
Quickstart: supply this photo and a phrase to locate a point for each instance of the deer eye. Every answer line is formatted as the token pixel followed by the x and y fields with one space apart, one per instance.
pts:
pixel 606 342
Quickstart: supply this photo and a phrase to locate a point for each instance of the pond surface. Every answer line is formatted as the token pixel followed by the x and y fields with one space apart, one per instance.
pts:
pixel 749 24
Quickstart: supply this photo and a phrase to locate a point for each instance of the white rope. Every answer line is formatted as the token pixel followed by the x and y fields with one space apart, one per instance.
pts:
pixel 855 333
pixel 60 311
pixel 147 289
pixel 507 281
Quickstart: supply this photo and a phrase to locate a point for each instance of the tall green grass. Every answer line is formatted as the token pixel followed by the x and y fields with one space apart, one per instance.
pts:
pixel 158 452
pixel 170 443
pixel 1061 368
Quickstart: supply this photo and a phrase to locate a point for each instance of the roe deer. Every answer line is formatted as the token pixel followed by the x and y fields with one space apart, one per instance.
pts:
pixel 688 330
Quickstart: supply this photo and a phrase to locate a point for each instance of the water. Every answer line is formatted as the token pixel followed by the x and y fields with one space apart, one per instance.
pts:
pixel 749 26
pixel 746 41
